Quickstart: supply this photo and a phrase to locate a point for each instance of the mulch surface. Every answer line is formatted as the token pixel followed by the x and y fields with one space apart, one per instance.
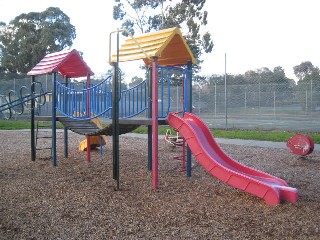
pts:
pixel 78 200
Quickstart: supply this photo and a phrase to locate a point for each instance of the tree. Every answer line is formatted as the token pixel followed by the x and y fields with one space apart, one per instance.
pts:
pixel 304 69
pixel 135 81
pixel 123 84
pixel 145 15
pixel 308 85
pixel 254 85
pixel 29 37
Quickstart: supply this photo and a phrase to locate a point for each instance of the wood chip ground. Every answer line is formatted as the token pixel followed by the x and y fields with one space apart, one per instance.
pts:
pixel 77 199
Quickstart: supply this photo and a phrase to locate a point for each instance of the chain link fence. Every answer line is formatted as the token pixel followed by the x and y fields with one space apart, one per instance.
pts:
pixel 258 106
pixel 246 106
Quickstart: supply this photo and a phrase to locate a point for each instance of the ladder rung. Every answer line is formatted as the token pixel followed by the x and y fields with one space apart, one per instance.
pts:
pixel 45 137
pixel 44 148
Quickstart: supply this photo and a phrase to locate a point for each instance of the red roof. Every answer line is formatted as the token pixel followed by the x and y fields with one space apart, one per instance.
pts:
pixel 68 63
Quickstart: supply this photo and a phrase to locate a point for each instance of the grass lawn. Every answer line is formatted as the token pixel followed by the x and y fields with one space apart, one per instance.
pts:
pixel 274 136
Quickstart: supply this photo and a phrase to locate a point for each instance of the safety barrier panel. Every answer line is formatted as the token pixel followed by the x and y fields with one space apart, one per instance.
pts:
pixel 134 100
pixel 85 103
pixel 95 101
pixel 168 77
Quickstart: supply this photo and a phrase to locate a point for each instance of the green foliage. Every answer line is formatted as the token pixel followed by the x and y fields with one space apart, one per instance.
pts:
pixel 144 16
pixel 273 136
pixel 30 36
pixel 135 81
pixel 20 124
pixel 109 72
pixel 308 88
pixel 304 69
pixel 14 125
pixel 257 81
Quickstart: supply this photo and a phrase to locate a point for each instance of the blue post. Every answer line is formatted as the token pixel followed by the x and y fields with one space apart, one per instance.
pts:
pixel 101 152
pixel 65 130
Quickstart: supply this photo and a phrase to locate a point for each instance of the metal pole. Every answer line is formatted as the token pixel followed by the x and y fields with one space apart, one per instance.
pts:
pixel 155 123
pixel 54 124
pixel 215 100
pixel 177 98
pixel 46 82
pixel 245 99
pixel 306 100
pixel 150 117
pixel 188 97
pixel 225 91
pixel 311 104
pixel 33 143
pixel 88 113
pixel 274 103
pixel 259 96
pixel 199 99
pixel 65 129
pixel 115 118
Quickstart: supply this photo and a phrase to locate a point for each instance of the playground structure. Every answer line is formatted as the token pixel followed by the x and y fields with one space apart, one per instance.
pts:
pixel 164 53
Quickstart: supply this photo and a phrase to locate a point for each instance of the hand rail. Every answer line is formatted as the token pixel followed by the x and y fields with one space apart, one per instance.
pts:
pixel 135 40
pixel 72 102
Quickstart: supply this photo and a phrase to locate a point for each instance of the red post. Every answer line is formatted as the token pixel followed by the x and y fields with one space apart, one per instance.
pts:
pixel 88 113
pixel 155 124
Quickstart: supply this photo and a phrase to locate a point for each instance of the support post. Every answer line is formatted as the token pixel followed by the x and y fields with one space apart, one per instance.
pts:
pixel 65 129
pixel 88 113
pixel 150 116
pixel 155 123
pixel 115 118
pixel 101 142
pixel 33 142
pixel 189 109
pixel 54 123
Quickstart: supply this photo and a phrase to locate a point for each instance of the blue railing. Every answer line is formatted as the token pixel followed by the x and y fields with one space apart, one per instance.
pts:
pixel 86 103
pixel 134 100
pixel 169 76
pixel 74 102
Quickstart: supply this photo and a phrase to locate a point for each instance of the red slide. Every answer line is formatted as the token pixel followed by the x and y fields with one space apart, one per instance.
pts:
pixel 219 164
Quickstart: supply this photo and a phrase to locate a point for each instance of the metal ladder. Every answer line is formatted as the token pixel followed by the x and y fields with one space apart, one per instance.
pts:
pixel 43 135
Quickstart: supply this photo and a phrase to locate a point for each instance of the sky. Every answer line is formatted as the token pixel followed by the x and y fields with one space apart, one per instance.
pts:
pixel 251 33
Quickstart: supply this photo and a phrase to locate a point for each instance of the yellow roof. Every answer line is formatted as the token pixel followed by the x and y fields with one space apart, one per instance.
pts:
pixel 167 45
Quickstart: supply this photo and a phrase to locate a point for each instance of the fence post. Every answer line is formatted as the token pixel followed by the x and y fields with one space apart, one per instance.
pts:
pixel 225 91
pixel 306 101
pixel 311 105
pixel 215 100
pixel 245 99
pixel 274 103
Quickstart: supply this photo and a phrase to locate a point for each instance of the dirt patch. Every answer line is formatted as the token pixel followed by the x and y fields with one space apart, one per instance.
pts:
pixel 77 199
